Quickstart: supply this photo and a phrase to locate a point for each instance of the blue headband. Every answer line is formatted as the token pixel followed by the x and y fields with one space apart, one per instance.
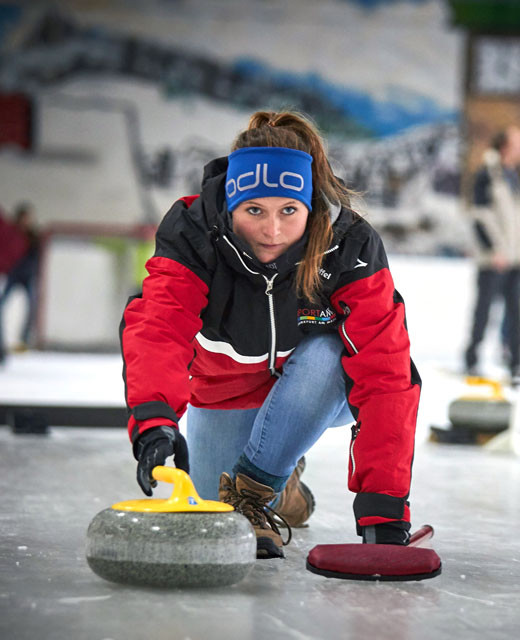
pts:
pixel 260 172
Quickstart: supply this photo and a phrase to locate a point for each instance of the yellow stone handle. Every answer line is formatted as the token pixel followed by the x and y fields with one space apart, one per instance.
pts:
pixel 184 492
pixel 494 385
pixel 169 474
pixel 183 487
pixel 184 497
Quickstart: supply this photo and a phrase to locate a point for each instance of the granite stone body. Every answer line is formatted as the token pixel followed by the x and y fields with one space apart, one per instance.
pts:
pixel 485 415
pixel 171 549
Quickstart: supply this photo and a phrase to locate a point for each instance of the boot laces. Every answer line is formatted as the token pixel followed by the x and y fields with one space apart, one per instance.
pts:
pixel 257 511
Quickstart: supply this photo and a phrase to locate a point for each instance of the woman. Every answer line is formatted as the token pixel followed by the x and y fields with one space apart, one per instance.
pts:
pixel 270 311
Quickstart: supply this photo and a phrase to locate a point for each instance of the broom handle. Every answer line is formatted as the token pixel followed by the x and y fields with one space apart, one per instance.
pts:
pixel 421 536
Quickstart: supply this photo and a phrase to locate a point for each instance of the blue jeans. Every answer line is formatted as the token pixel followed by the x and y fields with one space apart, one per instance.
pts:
pixel 307 399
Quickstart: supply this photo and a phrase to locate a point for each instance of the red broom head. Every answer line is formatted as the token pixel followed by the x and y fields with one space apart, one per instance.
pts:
pixel 373 562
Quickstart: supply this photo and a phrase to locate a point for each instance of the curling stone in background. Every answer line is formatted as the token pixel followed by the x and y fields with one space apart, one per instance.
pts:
pixel 183 541
pixel 487 411
pixel 476 417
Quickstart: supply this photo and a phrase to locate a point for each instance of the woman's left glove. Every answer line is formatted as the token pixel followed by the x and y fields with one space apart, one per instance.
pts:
pixel 153 447
pixel 387 533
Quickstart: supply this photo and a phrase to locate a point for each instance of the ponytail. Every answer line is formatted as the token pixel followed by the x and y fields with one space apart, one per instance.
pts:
pixel 295 131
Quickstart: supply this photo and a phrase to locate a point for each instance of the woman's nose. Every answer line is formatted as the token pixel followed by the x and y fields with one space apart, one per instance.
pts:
pixel 271 227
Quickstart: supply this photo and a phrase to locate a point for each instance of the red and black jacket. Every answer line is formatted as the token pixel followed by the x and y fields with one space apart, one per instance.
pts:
pixel 213 327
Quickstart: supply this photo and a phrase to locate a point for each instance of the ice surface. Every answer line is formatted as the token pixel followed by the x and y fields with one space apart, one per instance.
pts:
pixel 52 486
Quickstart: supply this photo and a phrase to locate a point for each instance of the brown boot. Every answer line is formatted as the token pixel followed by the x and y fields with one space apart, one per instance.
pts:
pixel 295 503
pixel 252 499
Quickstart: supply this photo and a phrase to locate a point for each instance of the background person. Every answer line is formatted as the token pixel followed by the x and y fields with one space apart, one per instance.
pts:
pixel 24 274
pixel 269 303
pixel 496 214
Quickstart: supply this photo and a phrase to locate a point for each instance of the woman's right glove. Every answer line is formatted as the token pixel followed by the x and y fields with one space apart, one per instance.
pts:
pixel 153 447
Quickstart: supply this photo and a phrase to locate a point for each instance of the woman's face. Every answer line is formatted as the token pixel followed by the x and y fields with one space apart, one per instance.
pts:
pixel 270 225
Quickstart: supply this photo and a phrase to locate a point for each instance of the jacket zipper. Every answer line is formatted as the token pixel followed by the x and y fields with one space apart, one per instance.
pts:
pixel 271 358
pixel 240 257
pixel 343 330
pixel 272 351
pixel 355 431
pixel 331 250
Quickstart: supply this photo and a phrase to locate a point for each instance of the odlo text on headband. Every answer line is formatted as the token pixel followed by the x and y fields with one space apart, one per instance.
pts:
pixel 260 172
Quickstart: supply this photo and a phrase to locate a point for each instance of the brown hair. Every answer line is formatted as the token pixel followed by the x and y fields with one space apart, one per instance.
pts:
pixel 295 131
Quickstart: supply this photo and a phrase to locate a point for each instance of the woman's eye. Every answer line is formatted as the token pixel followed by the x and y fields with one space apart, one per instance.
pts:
pixel 288 210
pixel 254 211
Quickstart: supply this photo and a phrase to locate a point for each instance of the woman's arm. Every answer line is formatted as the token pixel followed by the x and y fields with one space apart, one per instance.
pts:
pixel 383 386
pixel 158 327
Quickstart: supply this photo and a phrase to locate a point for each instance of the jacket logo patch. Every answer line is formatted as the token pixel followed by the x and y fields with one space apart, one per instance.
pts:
pixel 316 316
pixel 360 263
pixel 324 274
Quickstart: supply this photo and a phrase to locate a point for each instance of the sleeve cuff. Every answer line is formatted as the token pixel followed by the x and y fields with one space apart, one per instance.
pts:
pixel 154 409
pixel 378 508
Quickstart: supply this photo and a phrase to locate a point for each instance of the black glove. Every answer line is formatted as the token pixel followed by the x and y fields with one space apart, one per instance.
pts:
pixel 153 447
pixel 387 533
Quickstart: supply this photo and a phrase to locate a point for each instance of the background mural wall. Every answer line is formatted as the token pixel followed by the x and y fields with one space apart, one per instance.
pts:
pixel 109 110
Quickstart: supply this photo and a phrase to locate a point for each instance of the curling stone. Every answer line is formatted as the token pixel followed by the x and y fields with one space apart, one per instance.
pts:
pixel 487 411
pixel 183 541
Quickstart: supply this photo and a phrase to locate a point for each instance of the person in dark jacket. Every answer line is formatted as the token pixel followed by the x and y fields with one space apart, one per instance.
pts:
pixel 23 273
pixel 270 314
